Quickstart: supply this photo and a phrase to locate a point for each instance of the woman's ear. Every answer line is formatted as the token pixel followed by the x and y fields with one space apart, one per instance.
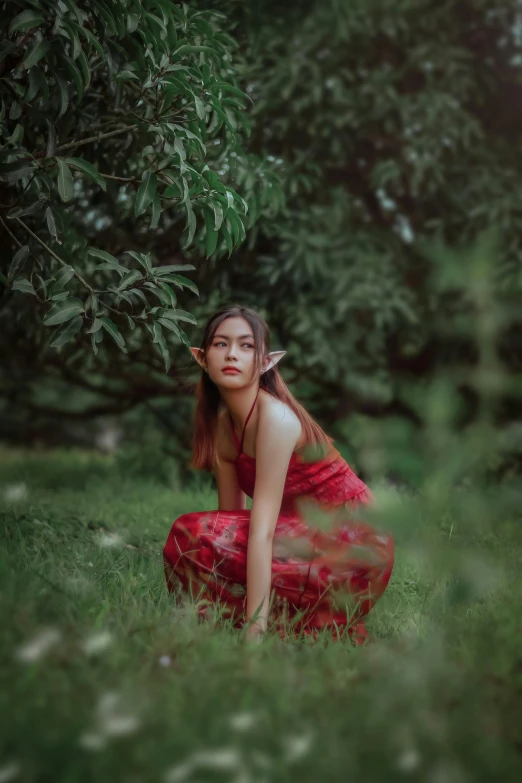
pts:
pixel 273 358
pixel 199 356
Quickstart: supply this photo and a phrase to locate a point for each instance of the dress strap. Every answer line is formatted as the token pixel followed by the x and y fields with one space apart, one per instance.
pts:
pixel 239 444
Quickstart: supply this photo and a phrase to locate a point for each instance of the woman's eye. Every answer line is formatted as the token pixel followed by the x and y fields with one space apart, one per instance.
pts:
pixel 248 345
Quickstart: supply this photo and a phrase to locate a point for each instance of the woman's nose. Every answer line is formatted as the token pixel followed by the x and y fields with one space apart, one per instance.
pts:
pixel 231 353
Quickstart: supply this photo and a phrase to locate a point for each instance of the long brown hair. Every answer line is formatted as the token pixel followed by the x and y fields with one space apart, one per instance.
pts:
pixel 209 398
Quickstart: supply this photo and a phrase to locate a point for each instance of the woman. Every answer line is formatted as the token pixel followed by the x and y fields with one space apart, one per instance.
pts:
pixel 270 563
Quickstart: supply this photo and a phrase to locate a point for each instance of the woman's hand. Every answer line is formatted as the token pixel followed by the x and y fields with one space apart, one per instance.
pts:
pixel 255 633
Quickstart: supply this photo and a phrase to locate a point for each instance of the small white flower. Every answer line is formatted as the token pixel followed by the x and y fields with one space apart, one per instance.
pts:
pixel 13 493
pixel 179 772
pixel 108 540
pixel 243 721
pixel 9 772
pixel 96 643
pixel 39 645
pixel 111 720
pixel 92 741
pixel 297 747
pixel 224 759
pixel 408 760
pixel 165 660
pixel 121 725
pixel 221 758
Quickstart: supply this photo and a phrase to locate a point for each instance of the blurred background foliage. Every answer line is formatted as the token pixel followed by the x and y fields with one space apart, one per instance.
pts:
pixel 377 158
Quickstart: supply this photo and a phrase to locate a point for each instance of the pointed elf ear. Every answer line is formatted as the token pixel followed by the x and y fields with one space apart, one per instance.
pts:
pixel 199 356
pixel 273 359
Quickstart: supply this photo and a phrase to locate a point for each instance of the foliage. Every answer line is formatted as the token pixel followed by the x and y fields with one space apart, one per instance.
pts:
pixel 380 132
pixel 392 124
pixel 114 116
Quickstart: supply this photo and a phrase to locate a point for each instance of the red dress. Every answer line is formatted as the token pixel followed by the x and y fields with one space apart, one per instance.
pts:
pixel 321 578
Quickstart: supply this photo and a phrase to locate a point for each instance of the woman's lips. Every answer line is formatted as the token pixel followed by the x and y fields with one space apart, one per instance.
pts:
pixel 231 371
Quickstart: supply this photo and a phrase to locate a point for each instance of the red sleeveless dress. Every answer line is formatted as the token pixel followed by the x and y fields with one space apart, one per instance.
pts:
pixel 321 578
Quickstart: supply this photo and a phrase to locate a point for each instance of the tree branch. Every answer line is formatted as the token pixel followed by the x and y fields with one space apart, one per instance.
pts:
pixel 90 140
pixel 11 233
pixel 46 247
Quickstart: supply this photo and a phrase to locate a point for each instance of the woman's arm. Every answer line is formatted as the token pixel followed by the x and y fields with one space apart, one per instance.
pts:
pixel 230 495
pixel 278 433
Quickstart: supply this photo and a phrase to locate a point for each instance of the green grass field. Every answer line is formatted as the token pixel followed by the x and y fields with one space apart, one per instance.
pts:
pixel 104 677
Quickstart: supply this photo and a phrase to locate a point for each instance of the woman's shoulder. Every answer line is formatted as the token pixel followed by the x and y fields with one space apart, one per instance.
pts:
pixel 277 416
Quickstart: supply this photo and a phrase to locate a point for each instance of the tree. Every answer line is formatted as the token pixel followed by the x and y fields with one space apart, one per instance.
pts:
pixel 394 126
pixel 117 124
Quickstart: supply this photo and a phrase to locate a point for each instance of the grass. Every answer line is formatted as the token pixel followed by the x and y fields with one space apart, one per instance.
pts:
pixel 106 677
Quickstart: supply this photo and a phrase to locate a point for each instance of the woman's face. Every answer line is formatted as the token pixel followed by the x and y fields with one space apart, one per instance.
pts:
pixel 232 347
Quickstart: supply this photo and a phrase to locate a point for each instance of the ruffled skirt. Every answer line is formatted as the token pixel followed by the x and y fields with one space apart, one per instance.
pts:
pixel 320 579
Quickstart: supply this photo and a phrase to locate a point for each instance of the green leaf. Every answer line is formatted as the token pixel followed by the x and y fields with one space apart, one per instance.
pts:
pixel 51 139
pixel 15 111
pixel 17 135
pixel 66 332
pixel 142 259
pixel 63 277
pixel 84 68
pixel 160 341
pixel 63 91
pixel 211 236
pixel 200 108
pixel 228 239
pixel 51 223
pixel 185 282
pixel 25 21
pixel 156 210
pixel 169 268
pixel 91 38
pixel 119 269
pixel 29 209
pixel 169 325
pixel 236 226
pixel 63 311
pixel 114 332
pixel 37 84
pixel 130 321
pixel 93 251
pixel 225 87
pixel 73 70
pixel 23 285
pixel 156 332
pixel 93 343
pixel 145 192
pixel 89 169
pixel 180 315
pixel 191 223
pixel 137 292
pixel 169 293
pixel 92 303
pixel 218 213
pixel 19 259
pixel 38 51
pixel 65 180
pixel 96 324
pixel 130 278
pixel 187 49
pixel 15 170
